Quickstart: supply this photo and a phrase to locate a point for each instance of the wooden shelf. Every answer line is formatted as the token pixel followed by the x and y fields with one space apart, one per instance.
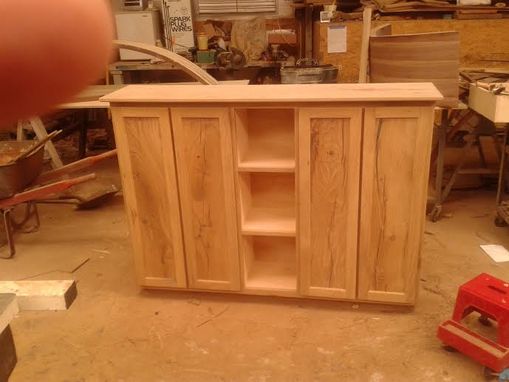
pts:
pixel 267 165
pixel 267 203
pixel 265 140
pixel 269 221
pixel 270 263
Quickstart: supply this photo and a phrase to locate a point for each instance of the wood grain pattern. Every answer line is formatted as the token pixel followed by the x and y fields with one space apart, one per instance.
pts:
pixel 418 57
pixel 245 94
pixel 329 170
pixel 395 164
pixel 475 47
pixel 145 153
pixel 205 170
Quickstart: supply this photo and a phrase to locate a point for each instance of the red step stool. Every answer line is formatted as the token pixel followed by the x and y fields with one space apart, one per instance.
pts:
pixel 489 297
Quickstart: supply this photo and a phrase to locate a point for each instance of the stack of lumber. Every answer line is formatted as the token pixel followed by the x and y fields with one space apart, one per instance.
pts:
pixel 397 6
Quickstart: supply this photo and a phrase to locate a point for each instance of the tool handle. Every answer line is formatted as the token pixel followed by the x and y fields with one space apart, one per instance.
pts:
pixel 72 167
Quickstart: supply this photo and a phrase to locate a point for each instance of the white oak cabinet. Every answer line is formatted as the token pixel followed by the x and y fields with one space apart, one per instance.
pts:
pixel 312 191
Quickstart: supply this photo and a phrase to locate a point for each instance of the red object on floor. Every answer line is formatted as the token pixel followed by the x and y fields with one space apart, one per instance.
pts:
pixel 489 297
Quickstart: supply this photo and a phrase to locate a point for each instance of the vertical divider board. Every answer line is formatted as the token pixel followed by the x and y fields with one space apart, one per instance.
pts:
pixel 266 195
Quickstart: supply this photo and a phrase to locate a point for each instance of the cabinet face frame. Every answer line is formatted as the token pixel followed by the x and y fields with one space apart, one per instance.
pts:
pixel 316 245
pixel 145 218
pixel 221 198
pixel 379 231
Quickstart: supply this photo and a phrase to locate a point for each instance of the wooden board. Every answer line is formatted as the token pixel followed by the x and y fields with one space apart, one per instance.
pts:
pixel 309 93
pixel 41 294
pixel 203 147
pixel 187 66
pixel 395 164
pixel 329 171
pixel 146 159
pixel 8 309
pixel 419 57
pixel 478 39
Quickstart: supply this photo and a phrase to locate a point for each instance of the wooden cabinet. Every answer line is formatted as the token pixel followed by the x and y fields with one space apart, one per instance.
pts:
pixel 147 166
pixel 302 191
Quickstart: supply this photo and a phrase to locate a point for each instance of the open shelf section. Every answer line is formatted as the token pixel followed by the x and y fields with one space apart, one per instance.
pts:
pixel 265 140
pixel 270 263
pixel 267 204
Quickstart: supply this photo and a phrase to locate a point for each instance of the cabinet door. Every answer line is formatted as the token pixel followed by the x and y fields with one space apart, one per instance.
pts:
pixel 328 179
pixel 146 158
pixel 395 164
pixel 205 172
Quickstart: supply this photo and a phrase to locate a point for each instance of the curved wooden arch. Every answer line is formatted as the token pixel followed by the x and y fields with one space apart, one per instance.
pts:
pixel 187 66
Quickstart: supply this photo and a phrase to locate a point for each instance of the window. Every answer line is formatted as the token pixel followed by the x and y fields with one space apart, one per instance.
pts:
pixel 236 6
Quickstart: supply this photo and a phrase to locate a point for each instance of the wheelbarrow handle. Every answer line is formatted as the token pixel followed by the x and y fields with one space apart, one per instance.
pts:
pixel 43 191
pixel 74 166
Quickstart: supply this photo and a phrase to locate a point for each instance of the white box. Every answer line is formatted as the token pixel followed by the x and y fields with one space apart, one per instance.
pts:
pixel 492 106
pixel 138 26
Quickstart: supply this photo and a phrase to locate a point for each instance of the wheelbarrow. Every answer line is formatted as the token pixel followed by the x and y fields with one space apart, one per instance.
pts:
pixel 22 181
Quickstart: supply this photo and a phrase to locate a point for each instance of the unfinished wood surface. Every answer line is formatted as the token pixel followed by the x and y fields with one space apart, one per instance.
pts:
pixel 395 163
pixel 270 263
pixel 308 93
pixel 146 158
pixel 8 309
pixel 205 169
pixel 329 170
pixel 366 29
pixel 41 294
pixel 420 57
pixel 489 37
pixel 265 140
pixel 41 133
pixel 267 204
pixel 187 66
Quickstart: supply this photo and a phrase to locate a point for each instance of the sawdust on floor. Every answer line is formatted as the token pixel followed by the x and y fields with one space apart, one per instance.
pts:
pixel 116 332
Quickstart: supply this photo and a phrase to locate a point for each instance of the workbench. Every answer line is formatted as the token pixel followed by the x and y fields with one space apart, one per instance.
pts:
pixel 495 107
pixel 311 191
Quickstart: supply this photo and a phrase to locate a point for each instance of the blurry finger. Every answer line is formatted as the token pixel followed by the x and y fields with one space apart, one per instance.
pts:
pixel 49 50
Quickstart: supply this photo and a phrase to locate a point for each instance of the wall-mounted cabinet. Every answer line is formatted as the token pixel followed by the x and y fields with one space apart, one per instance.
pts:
pixel 305 191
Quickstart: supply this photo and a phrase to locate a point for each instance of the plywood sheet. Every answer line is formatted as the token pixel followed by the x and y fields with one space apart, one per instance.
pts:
pixel 478 39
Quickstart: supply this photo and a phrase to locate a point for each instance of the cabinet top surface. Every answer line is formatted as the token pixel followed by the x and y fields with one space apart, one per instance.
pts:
pixel 276 93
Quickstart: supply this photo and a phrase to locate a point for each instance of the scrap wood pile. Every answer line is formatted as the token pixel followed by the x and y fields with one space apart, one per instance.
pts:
pixel 388 6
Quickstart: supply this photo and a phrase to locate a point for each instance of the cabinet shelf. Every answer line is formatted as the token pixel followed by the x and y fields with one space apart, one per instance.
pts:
pixel 270 263
pixel 269 221
pixel 267 202
pixel 265 140
pixel 255 164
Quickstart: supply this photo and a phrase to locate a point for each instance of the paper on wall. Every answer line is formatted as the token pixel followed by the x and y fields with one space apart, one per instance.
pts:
pixel 336 39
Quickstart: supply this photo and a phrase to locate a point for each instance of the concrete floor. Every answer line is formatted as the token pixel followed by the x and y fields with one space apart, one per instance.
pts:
pixel 115 332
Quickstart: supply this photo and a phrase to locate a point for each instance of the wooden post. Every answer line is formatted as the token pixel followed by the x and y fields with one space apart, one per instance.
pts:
pixel 366 29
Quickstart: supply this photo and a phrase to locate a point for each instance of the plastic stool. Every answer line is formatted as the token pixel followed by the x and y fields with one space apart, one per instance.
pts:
pixel 489 297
